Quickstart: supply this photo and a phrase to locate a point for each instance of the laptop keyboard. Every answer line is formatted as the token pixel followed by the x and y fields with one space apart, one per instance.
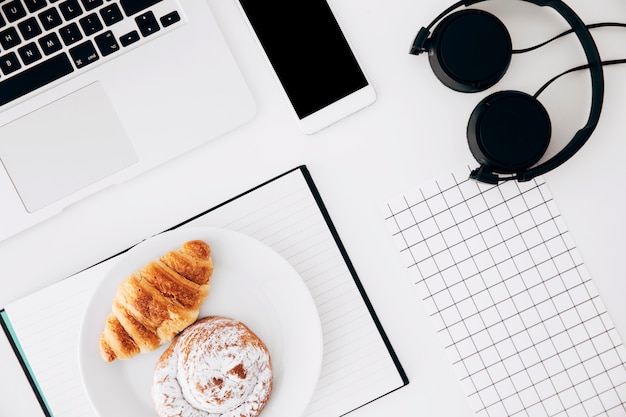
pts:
pixel 42 41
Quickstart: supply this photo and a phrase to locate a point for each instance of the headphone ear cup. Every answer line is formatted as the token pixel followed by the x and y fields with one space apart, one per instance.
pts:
pixel 470 50
pixel 509 131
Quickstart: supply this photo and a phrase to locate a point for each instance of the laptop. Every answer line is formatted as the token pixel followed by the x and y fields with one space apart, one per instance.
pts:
pixel 95 92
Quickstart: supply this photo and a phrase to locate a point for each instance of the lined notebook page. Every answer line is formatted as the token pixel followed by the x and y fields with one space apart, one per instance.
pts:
pixel 511 300
pixel 358 366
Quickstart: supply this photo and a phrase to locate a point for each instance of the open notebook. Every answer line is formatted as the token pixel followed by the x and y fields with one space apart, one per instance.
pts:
pixel 517 312
pixel 286 213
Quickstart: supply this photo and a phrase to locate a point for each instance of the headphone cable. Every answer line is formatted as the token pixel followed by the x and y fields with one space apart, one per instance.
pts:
pixel 579 68
pixel 567 32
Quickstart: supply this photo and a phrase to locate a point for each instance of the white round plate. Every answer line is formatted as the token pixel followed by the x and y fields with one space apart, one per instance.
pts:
pixel 251 283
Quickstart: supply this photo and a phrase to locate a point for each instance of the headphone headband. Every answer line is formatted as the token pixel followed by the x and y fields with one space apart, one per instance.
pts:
pixel 597 83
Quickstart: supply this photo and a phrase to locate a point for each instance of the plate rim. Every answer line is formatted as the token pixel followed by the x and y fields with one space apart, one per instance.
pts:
pixel 200 231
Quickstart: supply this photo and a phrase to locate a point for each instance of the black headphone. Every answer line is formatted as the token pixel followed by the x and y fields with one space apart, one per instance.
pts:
pixel 508 131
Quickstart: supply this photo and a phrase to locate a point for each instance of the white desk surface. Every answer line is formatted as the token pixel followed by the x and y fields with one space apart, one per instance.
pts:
pixel 413 132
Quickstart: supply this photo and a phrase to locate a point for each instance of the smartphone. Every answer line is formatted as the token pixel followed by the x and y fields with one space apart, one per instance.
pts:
pixel 310 56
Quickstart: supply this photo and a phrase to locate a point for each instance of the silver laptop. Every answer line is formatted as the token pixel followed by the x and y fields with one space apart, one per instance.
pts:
pixel 93 92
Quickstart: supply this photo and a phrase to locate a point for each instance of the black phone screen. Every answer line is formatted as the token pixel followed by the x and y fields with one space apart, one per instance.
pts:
pixel 307 50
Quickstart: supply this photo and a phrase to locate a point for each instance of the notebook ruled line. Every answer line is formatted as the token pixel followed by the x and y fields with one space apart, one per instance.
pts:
pixel 284 214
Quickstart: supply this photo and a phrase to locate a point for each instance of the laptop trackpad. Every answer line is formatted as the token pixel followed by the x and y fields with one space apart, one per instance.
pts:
pixel 64 147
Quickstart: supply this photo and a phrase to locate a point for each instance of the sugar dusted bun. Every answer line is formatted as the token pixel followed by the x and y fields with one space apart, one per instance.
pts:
pixel 217 367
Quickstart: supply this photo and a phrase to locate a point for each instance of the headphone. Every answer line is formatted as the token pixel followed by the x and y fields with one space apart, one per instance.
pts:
pixel 508 131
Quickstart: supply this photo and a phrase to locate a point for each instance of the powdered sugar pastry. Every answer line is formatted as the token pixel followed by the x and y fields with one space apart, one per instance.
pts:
pixel 217 367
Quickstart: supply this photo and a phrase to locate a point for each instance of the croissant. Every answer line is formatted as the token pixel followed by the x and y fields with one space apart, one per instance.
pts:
pixel 154 304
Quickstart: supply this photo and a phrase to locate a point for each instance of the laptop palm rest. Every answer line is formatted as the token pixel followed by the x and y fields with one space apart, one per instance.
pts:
pixel 49 158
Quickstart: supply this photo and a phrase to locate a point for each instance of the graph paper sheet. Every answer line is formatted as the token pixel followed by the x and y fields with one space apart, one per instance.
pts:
pixel 514 306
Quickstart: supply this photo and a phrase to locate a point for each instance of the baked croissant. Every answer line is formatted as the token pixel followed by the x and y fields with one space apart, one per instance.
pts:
pixel 154 304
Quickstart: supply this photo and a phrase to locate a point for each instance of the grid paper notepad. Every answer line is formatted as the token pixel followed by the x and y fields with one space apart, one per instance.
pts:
pixel 510 298
pixel 287 213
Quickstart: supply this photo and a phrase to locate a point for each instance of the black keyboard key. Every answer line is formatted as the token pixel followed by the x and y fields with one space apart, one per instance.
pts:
pixel 91 24
pixel 9 38
pixel 34 5
pixel 129 38
pixel 147 24
pixel 111 14
pixel 135 6
pixel 170 18
pixel 29 28
pixel 92 4
pixel 107 44
pixel 9 63
pixel 70 9
pixel 50 43
pixel 50 19
pixel 35 77
pixel 29 53
pixel 84 54
pixel 70 34
pixel 14 10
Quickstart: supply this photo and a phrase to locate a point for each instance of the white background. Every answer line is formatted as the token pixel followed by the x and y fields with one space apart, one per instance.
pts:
pixel 413 132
